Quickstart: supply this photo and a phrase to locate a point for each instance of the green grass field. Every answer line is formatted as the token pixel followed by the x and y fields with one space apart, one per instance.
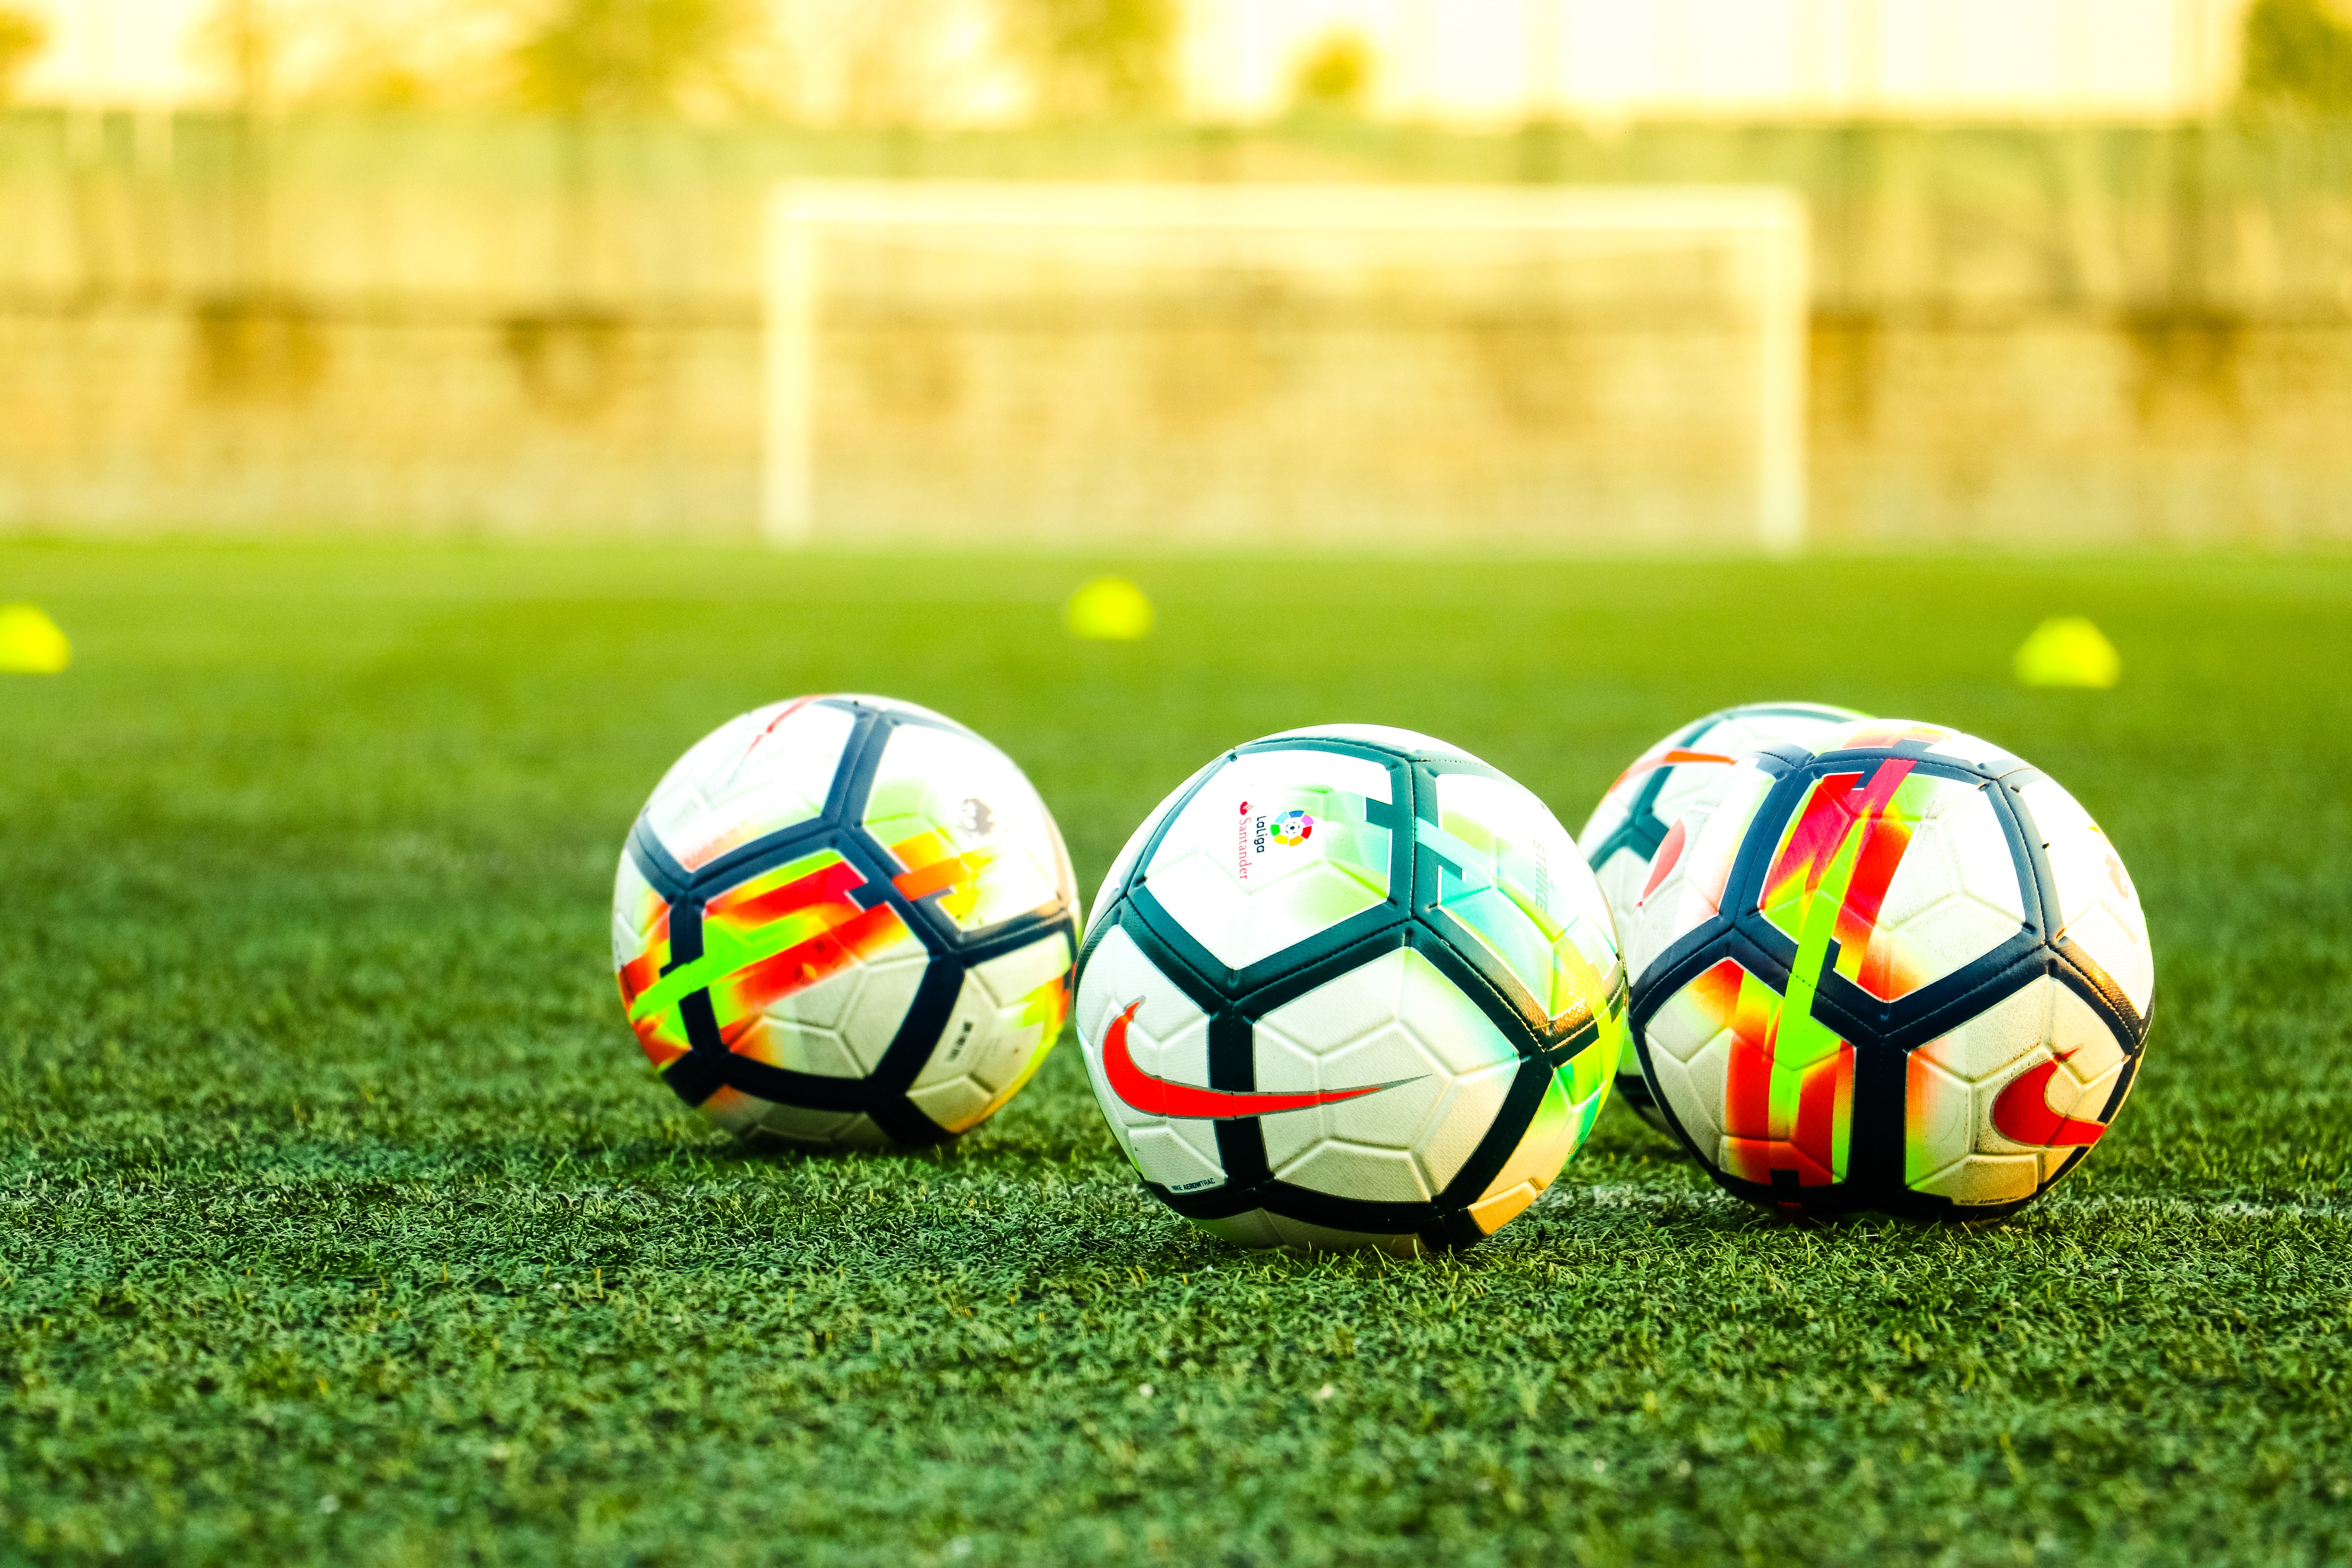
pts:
pixel 345 1223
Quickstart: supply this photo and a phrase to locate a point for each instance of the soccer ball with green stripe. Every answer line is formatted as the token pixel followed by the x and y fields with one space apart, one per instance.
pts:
pixel 845 921
pixel 1898 970
pixel 1350 987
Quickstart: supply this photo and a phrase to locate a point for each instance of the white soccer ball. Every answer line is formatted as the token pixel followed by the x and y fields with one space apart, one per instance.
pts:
pixel 1350 987
pixel 845 921
pixel 1637 812
pixel 1899 971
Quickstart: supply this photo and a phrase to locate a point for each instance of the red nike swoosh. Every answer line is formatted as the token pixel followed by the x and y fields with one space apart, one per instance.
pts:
pixel 794 706
pixel 1662 865
pixel 2021 1112
pixel 1673 759
pixel 1160 1097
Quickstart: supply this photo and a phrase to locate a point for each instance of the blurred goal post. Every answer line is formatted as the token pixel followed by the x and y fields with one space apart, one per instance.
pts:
pixel 857 252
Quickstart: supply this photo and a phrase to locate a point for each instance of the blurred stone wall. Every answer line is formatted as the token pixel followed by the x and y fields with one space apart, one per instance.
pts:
pixel 2021 336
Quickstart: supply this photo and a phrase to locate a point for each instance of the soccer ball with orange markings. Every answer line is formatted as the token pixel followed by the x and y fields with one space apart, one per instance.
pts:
pixel 1350 987
pixel 1626 830
pixel 845 921
pixel 1898 971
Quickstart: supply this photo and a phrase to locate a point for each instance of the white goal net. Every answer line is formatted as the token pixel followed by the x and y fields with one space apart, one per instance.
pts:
pixel 1374 366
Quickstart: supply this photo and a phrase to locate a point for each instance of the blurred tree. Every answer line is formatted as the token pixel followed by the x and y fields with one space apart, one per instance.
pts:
pixel 2299 56
pixel 633 57
pixel 1336 75
pixel 381 57
pixel 245 38
pixel 22 37
pixel 375 54
pixel 872 62
pixel 1096 57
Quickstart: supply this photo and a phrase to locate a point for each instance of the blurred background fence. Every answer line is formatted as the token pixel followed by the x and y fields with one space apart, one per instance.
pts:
pixel 2057 333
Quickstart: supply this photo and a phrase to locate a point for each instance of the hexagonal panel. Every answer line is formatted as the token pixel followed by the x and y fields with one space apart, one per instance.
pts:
pixel 1406 1082
pixel 1125 860
pixel 799 974
pixel 1394 1021
pixel 967 828
pixel 871 1016
pixel 759 773
pixel 1355 1006
pixel 1243 890
pixel 797 1049
pixel 1179 1155
pixel 1692 1086
pixel 1953 898
pixel 1460 1122
pixel 842 1025
pixel 1943 1108
pixel 1511 878
pixel 1552 1136
pixel 1941 1118
pixel 640 933
pixel 1167 1037
pixel 640 916
pixel 1687 881
pixel 2098 905
pixel 1005 1021
pixel 1871 866
pixel 1356 1170
pixel 2019 1087
pixel 1449 1026
pixel 1982 859
pixel 1998 1038
pixel 1030 991
pixel 1839 846
pixel 1774 1089
pixel 2057 1104
pixel 1984 1179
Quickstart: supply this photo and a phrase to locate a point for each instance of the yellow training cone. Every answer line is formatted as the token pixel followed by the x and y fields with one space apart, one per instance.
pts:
pixel 2067 650
pixel 30 641
pixel 1109 609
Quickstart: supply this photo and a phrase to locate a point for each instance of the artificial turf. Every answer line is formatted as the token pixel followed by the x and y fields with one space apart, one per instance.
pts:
pixel 345 1223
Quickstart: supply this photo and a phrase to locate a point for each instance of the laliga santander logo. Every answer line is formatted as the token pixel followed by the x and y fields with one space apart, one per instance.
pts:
pixel 1254 833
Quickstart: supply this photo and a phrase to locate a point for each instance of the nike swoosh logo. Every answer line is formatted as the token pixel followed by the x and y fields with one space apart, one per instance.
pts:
pixel 1157 1096
pixel 1673 759
pixel 1661 865
pixel 2021 1112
